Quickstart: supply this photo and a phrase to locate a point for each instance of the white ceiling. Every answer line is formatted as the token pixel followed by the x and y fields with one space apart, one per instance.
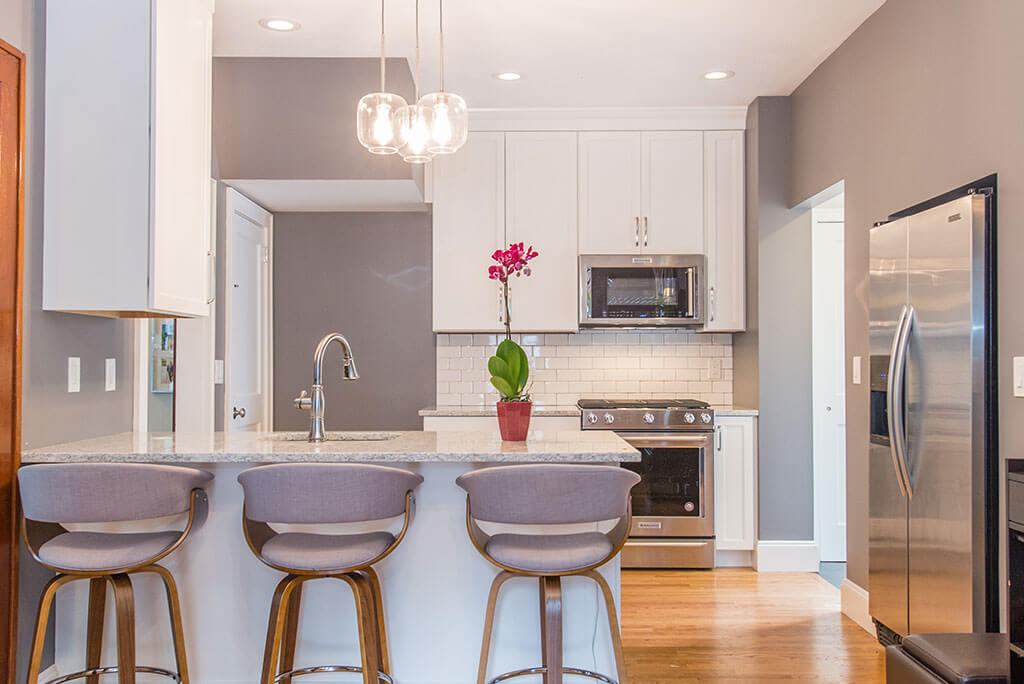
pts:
pixel 572 53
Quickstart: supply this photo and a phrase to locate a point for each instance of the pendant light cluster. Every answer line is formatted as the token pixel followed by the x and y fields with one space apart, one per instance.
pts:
pixel 437 123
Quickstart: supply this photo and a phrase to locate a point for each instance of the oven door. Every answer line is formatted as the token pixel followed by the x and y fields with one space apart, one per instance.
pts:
pixel 639 291
pixel 675 496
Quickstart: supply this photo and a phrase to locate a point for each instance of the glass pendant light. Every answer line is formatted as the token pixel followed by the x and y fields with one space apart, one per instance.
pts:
pixel 450 126
pixel 415 121
pixel 377 123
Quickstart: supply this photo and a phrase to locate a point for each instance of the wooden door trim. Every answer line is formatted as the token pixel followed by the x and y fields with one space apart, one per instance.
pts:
pixel 12 645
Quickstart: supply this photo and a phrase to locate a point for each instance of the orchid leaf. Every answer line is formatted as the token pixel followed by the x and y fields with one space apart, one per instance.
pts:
pixel 513 355
pixel 524 369
pixel 503 386
pixel 499 368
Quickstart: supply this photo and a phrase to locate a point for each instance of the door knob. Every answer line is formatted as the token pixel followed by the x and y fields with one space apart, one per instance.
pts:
pixel 237 413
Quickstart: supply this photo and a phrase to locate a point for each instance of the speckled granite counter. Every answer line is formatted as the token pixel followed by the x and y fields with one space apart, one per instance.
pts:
pixel 363 447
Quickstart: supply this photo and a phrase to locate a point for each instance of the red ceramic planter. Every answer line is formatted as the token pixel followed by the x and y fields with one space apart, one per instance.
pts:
pixel 514 420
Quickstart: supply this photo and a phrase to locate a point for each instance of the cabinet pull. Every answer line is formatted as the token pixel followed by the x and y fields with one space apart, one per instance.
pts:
pixel 718 438
pixel 646 232
pixel 711 303
pixel 212 294
pixel 500 306
pixel 636 235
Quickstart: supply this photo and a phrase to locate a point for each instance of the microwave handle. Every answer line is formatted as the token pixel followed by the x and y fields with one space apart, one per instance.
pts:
pixel 692 293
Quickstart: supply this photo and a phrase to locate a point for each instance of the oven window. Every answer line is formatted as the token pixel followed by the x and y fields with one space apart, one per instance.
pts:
pixel 640 293
pixel 669 482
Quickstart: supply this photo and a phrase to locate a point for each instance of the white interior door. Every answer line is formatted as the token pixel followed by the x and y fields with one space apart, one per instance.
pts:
pixel 829 382
pixel 247 317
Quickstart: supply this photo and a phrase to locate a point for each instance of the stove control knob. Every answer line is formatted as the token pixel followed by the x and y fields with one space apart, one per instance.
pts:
pixel 648 418
pixel 705 417
pixel 591 418
pixel 609 418
pixel 689 417
pixel 688 507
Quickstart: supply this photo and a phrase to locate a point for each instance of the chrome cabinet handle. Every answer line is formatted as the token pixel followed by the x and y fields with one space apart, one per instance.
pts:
pixel 718 438
pixel 212 257
pixel 711 303
pixel 646 232
pixel 636 234
pixel 237 413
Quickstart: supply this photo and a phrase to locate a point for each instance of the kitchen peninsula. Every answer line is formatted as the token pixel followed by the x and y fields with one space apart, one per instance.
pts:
pixel 435 584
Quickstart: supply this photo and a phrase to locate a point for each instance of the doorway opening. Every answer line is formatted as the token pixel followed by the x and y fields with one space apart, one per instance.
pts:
pixel 828 345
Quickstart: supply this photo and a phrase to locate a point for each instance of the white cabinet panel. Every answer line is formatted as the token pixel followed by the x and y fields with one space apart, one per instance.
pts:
pixel 469 225
pixel 540 210
pixel 735 500
pixel 725 230
pixel 127 186
pixel 609 192
pixel 672 220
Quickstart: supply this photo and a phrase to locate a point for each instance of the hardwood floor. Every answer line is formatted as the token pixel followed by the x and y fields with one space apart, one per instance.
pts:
pixel 741 626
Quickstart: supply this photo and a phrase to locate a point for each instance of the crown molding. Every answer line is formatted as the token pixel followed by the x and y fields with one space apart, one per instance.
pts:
pixel 609 119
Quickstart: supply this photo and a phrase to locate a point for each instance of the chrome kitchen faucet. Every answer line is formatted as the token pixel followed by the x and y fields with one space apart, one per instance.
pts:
pixel 315 403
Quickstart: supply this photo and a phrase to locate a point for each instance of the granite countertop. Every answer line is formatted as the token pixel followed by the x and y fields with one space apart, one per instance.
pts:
pixel 545 411
pixel 362 447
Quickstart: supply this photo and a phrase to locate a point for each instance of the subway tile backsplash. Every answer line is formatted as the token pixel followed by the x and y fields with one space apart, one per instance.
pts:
pixel 603 364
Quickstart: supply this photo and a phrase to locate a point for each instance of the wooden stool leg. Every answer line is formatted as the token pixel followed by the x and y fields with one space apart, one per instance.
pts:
pixel 124 603
pixel 613 623
pixel 551 628
pixel 174 609
pixel 42 619
pixel 382 630
pixel 291 631
pixel 94 636
pixel 275 628
pixel 492 602
pixel 369 649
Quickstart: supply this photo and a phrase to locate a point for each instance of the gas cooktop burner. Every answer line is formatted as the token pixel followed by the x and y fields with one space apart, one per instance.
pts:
pixel 607 404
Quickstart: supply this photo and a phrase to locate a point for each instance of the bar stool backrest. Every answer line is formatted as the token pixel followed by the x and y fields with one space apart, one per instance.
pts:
pixel 106 492
pixel 548 494
pixel 315 493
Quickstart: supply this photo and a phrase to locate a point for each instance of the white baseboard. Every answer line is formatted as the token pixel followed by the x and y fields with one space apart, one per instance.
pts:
pixel 786 556
pixel 855 605
pixel 731 558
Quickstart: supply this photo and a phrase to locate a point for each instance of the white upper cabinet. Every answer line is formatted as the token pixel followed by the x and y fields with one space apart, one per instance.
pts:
pixel 469 225
pixel 540 210
pixel 725 231
pixel 735 473
pixel 127 161
pixel 672 218
pixel 609 192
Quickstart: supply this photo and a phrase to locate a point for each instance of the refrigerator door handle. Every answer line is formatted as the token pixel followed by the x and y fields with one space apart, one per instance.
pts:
pixel 898 437
pixel 893 381
pixel 908 329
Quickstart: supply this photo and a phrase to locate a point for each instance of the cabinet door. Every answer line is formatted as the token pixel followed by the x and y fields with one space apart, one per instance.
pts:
pixel 469 224
pixel 540 210
pixel 735 502
pixel 672 217
pixel 725 230
pixel 609 193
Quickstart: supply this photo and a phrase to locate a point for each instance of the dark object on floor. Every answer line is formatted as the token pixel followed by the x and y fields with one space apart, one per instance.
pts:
pixel 949 659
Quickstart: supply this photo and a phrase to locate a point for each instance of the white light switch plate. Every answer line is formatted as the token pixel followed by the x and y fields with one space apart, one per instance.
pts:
pixel 110 375
pixel 715 369
pixel 1018 376
pixel 856 370
pixel 74 374
pixel 218 371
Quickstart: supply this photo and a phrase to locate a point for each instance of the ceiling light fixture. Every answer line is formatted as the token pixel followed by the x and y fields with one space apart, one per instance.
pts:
pixel 508 76
pixel 377 125
pixel 718 75
pixel 416 121
pixel 279 24
pixel 450 124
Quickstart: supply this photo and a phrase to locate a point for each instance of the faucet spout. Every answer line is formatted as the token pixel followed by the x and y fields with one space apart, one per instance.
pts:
pixel 315 403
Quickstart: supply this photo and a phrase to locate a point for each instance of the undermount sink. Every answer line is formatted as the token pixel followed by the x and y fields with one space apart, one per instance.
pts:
pixel 337 436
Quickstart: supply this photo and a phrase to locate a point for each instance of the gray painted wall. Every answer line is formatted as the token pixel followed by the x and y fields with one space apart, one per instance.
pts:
pixel 294 118
pixel 773 358
pixel 925 96
pixel 49 413
pixel 367 276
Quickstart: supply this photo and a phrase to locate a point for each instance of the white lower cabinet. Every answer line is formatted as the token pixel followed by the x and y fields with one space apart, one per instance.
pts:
pixel 735 477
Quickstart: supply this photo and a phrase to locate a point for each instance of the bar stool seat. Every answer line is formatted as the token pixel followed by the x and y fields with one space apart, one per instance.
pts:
pixel 101 551
pixel 325 552
pixel 550 553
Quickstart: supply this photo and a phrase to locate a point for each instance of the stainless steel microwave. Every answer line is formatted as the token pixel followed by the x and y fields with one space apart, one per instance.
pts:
pixel 641 290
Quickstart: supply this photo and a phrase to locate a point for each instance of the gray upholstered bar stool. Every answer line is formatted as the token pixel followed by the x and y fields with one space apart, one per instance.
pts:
pixel 54 495
pixel 325 493
pixel 549 495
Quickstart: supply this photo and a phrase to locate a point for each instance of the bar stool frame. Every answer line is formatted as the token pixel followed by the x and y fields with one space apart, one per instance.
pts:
pixel 36 534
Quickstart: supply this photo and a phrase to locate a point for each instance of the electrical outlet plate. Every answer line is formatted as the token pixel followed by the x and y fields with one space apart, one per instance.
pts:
pixel 218 371
pixel 1018 376
pixel 110 375
pixel 856 370
pixel 74 374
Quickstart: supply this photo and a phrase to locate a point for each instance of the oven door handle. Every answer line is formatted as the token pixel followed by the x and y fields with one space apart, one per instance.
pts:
pixel 649 441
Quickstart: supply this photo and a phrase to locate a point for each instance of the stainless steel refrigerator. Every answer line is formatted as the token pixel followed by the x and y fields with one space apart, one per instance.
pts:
pixel 933 545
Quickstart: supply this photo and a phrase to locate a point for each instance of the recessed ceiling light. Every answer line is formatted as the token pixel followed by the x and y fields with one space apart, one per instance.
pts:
pixel 279 24
pixel 508 76
pixel 718 75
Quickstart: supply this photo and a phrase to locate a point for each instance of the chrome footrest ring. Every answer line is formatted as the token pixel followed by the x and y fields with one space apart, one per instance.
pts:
pixel 317 669
pixel 141 669
pixel 575 671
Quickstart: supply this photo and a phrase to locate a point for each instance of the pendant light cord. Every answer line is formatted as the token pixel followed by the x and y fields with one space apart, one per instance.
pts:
pixel 383 89
pixel 416 81
pixel 440 23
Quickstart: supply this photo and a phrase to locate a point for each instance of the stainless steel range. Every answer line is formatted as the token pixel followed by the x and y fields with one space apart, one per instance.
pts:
pixel 673 506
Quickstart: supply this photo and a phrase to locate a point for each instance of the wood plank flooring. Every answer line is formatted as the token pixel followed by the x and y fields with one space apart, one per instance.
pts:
pixel 737 625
